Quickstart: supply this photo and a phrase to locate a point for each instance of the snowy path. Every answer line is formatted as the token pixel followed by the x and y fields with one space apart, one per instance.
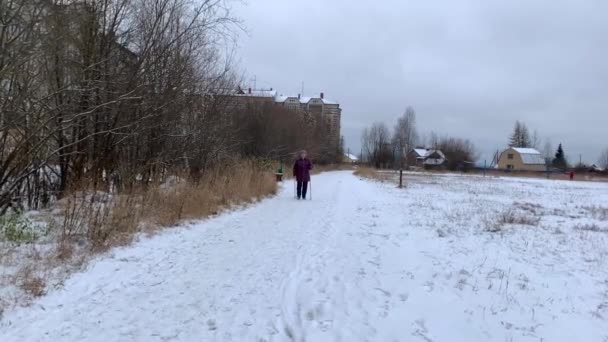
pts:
pixel 347 266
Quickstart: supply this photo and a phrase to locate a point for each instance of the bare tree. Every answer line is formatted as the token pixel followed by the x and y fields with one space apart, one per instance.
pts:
pixel 93 88
pixel 460 153
pixel 603 160
pixel 405 135
pixel 535 140
pixel 548 151
pixel 376 145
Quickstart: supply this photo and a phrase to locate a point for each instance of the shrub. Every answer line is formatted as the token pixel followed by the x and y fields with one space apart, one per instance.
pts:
pixel 598 212
pixel 591 227
pixel 511 216
pixel 31 283
pixel 17 228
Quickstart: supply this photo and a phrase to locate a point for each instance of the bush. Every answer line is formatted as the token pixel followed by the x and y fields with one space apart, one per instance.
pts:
pixel 511 217
pixel 17 228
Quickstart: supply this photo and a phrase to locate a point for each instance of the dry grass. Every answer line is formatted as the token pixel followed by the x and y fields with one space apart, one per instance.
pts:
pixel 531 208
pixel 216 190
pixel 333 167
pixel 372 173
pixel 591 227
pixel 527 216
pixel 104 220
pixel 366 172
pixel 92 221
pixel 29 282
pixel 597 212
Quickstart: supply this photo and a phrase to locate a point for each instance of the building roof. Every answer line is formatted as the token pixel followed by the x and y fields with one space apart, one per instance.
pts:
pixel 434 161
pixel 259 93
pixel 351 156
pixel 529 156
pixel 425 154
pixel 596 168
pixel 280 98
pixel 421 152
pixel 526 150
pixel 303 99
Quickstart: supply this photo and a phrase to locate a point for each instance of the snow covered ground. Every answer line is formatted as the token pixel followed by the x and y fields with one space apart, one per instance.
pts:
pixel 449 258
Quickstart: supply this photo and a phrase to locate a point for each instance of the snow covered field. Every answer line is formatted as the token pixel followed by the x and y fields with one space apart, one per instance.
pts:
pixel 449 258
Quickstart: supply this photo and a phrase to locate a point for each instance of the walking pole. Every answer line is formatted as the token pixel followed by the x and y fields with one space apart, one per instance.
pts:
pixel 310 182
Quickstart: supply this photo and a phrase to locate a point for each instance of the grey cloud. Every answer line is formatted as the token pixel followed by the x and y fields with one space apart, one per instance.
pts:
pixel 469 68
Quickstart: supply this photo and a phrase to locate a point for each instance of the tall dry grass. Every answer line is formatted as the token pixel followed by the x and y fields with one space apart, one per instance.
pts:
pixel 103 220
pixel 90 220
pixel 369 172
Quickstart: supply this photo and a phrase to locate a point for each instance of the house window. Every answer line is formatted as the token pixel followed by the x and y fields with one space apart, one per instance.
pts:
pixel 509 167
pixel 510 156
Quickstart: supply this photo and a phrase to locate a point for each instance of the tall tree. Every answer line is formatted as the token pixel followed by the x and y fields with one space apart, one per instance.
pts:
pixel 535 140
pixel 548 152
pixel 560 161
pixel 514 139
pixel 520 136
pixel 603 161
pixel 460 153
pixel 89 88
pixel 405 135
pixel 376 144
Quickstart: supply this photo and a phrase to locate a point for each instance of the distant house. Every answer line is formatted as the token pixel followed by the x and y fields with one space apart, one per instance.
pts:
pixel 350 158
pixel 424 157
pixel 521 159
pixel 597 169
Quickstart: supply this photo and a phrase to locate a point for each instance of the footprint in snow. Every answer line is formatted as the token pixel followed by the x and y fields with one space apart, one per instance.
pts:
pixel 211 324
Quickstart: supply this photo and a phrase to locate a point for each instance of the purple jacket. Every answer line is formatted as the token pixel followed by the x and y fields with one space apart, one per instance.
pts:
pixel 301 170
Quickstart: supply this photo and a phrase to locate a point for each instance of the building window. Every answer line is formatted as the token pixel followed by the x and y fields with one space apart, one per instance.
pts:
pixel 509 167
pixel 510 156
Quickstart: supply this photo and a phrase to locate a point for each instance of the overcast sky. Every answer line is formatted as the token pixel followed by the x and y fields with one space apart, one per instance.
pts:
pixel 470 68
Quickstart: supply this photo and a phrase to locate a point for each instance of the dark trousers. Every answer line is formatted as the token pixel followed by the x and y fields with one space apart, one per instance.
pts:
pixel 302 189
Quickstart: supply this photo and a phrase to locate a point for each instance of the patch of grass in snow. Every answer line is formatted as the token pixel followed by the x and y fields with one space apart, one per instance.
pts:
pixel 512 216
pixel 17 228
pixel 374 174
pixel 591 227
pixel 597 212
pixel 31 283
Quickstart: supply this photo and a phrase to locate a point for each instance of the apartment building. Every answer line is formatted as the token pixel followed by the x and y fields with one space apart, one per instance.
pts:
pixel 327 109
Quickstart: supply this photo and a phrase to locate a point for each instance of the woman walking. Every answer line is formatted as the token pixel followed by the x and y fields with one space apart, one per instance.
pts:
pixel 301 171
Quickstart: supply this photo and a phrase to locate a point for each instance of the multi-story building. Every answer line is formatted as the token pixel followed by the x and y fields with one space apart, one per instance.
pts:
pixel 327 109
